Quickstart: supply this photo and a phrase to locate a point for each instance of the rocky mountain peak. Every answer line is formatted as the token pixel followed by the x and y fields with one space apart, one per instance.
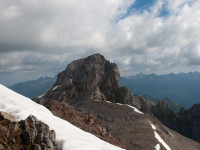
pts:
pixel 90 78
pixel 91 72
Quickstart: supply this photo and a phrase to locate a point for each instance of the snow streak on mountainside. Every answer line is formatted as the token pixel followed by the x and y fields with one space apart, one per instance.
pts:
pixel 157 136
pixel 68 136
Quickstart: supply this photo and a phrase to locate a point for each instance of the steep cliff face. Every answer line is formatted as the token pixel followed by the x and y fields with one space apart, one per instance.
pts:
pixel 190 122
pixel 91 78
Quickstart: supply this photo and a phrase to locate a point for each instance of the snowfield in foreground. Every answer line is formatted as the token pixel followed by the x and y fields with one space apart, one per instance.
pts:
pixel 68 136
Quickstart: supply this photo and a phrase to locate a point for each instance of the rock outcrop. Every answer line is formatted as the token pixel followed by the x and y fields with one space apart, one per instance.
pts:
pixel 27 134
pixel 186 122
pixel 190 122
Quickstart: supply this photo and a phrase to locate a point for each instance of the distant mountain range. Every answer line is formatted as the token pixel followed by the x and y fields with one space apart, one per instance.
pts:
pixel 34 88
pixel 182 88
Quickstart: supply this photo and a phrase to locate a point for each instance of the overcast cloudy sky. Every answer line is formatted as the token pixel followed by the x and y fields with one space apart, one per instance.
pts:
pixel 40 37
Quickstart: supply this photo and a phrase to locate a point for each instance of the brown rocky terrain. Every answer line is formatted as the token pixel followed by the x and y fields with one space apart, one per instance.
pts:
pixel 92 85
pixel 29 134
pixel 83 120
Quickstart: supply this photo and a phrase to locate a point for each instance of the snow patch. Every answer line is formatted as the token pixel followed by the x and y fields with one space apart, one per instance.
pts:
pixel 119 104
pixel 108 102
pixel 55 87
pixel 153 127
pixel 68 136
pixel 41 96
pixel 157 136
pixel 135 109
pixel 157 147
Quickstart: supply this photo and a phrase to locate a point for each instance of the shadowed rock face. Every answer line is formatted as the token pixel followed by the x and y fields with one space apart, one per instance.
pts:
pixel 186 122
pixel 190 122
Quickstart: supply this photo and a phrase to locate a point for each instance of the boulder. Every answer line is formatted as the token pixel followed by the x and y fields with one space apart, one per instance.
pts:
pixel 26 134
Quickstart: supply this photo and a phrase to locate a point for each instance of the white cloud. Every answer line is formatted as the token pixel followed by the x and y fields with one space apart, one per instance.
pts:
pixel 10 12
pixel 62 30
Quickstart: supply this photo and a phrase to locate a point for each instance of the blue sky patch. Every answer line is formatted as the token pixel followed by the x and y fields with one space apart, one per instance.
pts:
pixel 139 6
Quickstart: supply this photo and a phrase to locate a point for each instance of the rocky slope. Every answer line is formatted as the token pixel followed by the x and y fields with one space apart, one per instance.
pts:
pixel 29 134
pixel 92 85
pixel 134 130
pixel 83 120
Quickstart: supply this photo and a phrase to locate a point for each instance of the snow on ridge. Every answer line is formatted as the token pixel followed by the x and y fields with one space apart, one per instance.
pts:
pixel 157 136
pixel 119 104
pixel 67 135
pixel 135 109
pixel 157 147
pixel 41 96
pixel 153 127
pixel 160 140
pixel 55 87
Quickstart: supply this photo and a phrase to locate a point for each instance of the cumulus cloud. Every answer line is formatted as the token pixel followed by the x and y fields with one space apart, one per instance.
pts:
pixel 43 36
